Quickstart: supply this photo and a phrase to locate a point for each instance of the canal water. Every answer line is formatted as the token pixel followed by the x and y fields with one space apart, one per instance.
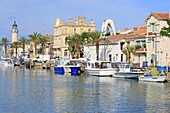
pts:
pixel 42 91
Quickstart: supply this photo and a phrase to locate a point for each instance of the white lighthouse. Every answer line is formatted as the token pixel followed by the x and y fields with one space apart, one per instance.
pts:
pixel 14 32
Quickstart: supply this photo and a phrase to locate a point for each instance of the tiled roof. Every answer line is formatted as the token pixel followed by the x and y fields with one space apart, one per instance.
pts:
pixel 136 33
pixel 159 15
pixel 124 31
pixel 116 38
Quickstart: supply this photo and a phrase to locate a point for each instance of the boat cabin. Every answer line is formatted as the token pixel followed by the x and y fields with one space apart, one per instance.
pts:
pixel 124 67
pixel 99 64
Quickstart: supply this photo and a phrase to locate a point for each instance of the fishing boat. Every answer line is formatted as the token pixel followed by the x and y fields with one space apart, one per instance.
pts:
pixel 126 71
pixel 100 68
pixel 153 76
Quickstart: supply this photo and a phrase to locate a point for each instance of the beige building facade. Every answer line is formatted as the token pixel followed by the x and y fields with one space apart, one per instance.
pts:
pixel 63 29
pixel 158 47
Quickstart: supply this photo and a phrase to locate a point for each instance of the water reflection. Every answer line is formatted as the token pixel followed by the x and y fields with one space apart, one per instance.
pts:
pixel 23 90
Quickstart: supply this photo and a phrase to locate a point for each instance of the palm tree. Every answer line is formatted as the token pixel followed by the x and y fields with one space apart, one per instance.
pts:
pixel 128 51
pixel 5 42
pixel 43 40
pixel 71 48
pixel 95 39
pixel 34 38
pixel 75 44
pixel 16 45
pixel 23 41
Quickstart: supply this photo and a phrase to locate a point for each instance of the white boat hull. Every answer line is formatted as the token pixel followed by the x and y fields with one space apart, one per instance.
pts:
pixel 101 72
pixel 7 64
pixel 152 79
pixel 127 74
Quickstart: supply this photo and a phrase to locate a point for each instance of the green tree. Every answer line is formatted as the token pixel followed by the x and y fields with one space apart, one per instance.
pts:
pixel 5 43
pixel 128 51
pixel 165 31
pixel 43 40
pixel 74 42
pixel 137 46
pixel 95 39
pixel 35 39
pixel 85 36
pixel 23 41
pixel 16 45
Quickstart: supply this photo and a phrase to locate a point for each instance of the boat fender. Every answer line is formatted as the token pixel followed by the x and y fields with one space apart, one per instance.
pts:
pixel 82 68
pixel 78 72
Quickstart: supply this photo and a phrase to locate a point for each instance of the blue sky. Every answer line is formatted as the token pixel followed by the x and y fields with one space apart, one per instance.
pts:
pixel 40 15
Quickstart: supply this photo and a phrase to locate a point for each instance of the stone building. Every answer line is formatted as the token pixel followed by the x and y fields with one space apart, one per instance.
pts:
pixel 62 30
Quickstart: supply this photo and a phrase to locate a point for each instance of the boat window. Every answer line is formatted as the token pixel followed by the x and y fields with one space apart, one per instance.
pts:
pixel 96 65
pixel 114 65
pixel 88 64
pixel 127 66
pixel 92 65
pixel 109 65
pixel 104 65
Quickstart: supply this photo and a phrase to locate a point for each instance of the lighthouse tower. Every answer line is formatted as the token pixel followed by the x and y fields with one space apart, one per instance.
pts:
pixel 14 32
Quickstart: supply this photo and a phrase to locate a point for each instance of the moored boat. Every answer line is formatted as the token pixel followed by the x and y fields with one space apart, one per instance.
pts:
pixel 7 62
pixel 127 71
pixel 100 68
pixel 153 76
pixel 65 67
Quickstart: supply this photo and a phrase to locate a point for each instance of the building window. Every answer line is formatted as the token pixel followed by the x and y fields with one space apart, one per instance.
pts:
pixel 89 30
pixel 121 45
pixel 75 31
pixel 116 57
pixel 143 43
pixel 138 42
pixel 145 57
pixel 65 52
pixel 152 27
pixel 121 57
pixel 153 43
pixel 153 57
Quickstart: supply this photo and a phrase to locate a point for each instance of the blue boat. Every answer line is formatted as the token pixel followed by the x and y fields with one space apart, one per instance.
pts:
pixel 68 66
pixel 66 74
pixel 67 69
